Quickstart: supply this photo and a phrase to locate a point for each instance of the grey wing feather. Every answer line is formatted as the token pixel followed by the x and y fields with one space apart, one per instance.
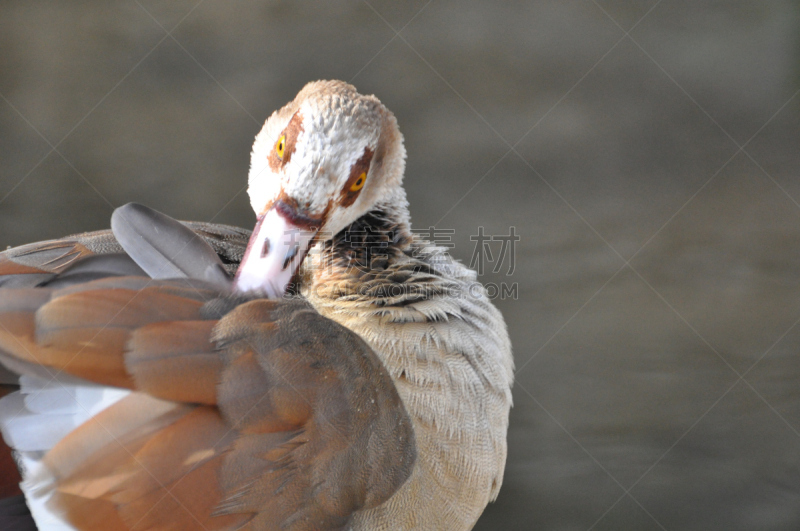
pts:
pixel 164 247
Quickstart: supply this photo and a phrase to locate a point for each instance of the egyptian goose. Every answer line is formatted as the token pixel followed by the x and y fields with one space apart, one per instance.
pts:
pixel 350 376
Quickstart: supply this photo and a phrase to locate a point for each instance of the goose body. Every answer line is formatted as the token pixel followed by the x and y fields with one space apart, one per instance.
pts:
pixel 351 376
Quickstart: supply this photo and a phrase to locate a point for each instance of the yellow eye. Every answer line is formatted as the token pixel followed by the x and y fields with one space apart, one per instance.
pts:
pixel 359 184
pixel 280 147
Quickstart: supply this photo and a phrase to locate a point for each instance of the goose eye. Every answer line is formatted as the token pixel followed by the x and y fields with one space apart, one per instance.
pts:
pixel 280 147
pixel 359 184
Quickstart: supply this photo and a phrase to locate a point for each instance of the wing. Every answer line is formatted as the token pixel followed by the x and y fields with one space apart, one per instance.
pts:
pixel 40 263
pixel 245 413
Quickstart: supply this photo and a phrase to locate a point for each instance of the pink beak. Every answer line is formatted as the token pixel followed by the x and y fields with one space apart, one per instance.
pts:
pixel 274 253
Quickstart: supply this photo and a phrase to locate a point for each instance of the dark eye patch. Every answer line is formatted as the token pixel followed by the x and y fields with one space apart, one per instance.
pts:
pixel 291 132
pixel 360 166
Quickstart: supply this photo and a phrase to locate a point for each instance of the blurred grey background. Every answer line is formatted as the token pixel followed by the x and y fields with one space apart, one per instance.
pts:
pixel 647 154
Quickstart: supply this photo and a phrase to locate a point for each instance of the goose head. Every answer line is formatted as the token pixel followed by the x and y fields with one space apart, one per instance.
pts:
pixel 318 164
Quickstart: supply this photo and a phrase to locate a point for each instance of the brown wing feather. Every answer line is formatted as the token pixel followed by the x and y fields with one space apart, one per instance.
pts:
pixel 295 403
pixel 85 332
pixel 51 256
pixel 329 395
pixel 150 465
pixel 8 267
pixel 176 361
